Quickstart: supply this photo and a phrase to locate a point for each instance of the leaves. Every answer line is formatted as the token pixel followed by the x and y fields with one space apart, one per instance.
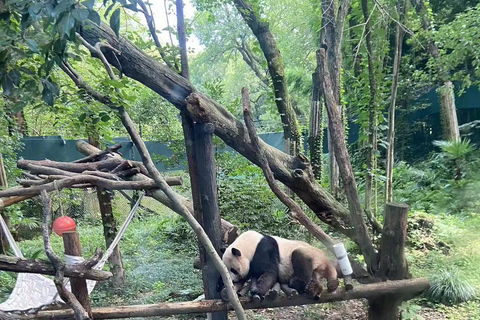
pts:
pixel 115 21
pixel 89 4
pixel 94 17
pixel 80 14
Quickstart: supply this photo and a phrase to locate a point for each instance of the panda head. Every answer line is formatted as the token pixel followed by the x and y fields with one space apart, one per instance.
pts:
pixel 238 265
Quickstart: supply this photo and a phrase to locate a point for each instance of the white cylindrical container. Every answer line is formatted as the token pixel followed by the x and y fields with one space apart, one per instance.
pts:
pixel 342 258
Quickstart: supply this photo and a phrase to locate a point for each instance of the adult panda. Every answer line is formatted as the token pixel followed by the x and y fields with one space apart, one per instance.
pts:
pixel 267 260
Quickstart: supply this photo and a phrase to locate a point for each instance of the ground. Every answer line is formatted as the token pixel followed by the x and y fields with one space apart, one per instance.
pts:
pixel 159 269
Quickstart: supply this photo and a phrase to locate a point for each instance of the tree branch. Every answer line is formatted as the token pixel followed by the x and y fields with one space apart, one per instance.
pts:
pixel 276 67
pixel 337 131
pixel 67 296
pixel 179 207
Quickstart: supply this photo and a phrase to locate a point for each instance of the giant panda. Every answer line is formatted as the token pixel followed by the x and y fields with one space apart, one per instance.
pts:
pixel 267 260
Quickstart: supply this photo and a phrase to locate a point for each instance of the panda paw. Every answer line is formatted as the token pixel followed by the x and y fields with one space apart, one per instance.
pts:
pixel 313 288
pixel 332 284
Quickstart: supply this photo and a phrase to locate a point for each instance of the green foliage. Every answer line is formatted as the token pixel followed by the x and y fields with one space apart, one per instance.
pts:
pixel 449 286
pixel 455 149
pixel 409 311
pixel 7 282
pixel 246 200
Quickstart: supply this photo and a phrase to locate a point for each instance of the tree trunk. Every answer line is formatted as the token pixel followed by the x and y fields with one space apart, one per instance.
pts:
pixel 109 227
pixel 205 158
pixel 392 261
pixel 331 37
pixel 337 131
pixel 315 139
pixel 372 118
pixel 449 112
pixel 4 246
pixel 447 97
pixel 294 172
pixel 274 59
pixel 109 232
pixel 399 34
pixel 3 174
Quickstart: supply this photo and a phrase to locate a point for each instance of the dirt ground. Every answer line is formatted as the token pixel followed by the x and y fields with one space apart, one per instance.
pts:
pixel 351 310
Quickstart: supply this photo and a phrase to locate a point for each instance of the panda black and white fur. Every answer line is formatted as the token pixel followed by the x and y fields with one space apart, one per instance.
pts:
pixel 267 260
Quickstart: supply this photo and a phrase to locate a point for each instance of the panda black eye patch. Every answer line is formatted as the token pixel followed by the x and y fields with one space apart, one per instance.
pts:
pixel 234 271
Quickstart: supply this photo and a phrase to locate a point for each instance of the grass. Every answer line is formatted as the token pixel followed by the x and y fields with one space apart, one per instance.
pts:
pixel 462 234
pixel 158 268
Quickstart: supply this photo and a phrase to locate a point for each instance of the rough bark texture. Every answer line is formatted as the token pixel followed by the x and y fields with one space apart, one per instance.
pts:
pixel 182 40
pixel 3 174
pixel 14 264
pixel 451 131
pixel 3 184
pixel 274 59
pixel 447 97
pixel 414 286
pixel 69 298
pixel 337 131
pixel 176 89
pixel 109 232
pixel 71 242
pixel 372 116
pixel 207 185
pixel 392 261
pixel 334 13
pixel 315 138
pixel 399 34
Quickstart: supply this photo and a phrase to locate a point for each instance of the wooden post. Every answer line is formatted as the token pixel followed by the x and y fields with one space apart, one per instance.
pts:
pixel 3 174
pixel 110 231
pixel 3 184
pixel 71 242
pixel 392 261
pixel 207 186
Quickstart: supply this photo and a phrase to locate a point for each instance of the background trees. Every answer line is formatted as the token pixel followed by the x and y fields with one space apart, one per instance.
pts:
pixel 270 47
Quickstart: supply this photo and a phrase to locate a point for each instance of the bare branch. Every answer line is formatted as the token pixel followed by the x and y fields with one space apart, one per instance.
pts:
pixel 67 296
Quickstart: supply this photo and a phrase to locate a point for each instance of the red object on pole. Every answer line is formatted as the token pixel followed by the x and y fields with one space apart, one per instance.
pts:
pixel 64 224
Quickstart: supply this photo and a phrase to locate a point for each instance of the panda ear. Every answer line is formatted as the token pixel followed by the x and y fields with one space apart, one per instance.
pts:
pixel 236 252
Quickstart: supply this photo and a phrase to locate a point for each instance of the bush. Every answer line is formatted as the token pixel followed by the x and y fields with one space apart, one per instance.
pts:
pixel 450 287
pixel 246 199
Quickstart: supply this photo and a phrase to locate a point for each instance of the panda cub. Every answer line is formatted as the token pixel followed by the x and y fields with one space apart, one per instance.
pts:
pixel 267 260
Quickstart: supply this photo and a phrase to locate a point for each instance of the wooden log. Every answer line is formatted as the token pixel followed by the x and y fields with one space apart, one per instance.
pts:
pixel 71 242
pixel 109 232
pixel 207 187
pixel 22 265
pixel 402 287
pixel 5 202
pixel 80 179
pixel 99 155
pixel 108 164
pixel 3 174
pixel 393 263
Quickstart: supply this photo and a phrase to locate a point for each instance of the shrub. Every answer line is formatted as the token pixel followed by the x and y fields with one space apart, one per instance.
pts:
pixel 450 287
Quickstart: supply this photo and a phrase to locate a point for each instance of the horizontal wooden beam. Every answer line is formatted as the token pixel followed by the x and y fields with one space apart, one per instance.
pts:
pixel 402 288
pixel 14 264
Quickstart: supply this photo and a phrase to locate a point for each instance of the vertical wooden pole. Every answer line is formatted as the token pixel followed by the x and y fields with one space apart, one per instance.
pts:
pixel 71 242
pixel 207 176
pixel 3 174
pixel 392 260
pixel 110 231
pixel 3 184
